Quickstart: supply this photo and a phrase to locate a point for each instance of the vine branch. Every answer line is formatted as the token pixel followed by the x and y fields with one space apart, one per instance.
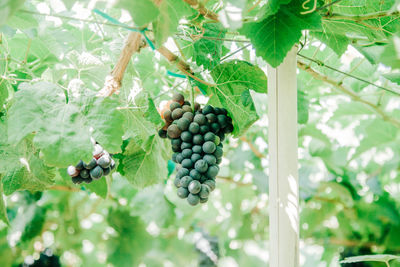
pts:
pixel 202 10
pixel 180 64
pixel 114 81
pixel 358 18
pixel 252 147
pixel 351 94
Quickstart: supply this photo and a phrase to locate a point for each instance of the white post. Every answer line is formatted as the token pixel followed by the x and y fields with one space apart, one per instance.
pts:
pixel 283 173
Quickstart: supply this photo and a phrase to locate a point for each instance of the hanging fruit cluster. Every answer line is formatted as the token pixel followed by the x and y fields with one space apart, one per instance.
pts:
pixel 100 165
pixel 196 135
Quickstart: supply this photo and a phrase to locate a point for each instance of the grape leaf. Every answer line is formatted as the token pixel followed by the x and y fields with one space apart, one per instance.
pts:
pixel 274 36
pixel 166 24
pixel 337 42
pixel 107 123
pixel 273 6
pixel 138 128
pixel 3 211
pixel 151 205
pixel 129 247
pixel 7 9
pixel 4 85
pixel 393 77
pixel 144 168
pixel 232 79
pixel 99 187
pixel 208 52
pixel 142 12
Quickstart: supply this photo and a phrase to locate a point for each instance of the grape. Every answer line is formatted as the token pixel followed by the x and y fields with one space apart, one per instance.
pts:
pixel 209 137
pixel 167 115
pixel 185 145
pixel 200 119
pixel 177 182
pixel 182 192
pixel 84 173
pixel 186 136
pixel 212 171
pixel 173 131
pixel 174 105
pixel 194 187
pixel 96 172
pixel 201 166
pixel 80 166
pixel 196 138
pixel 179 98
pixel 193 199
pixel 187 153
pixel 209 147
pixel 194 128
pixel 204 191
pixel 183 124
pixel 72 171
pixel 185 181
pixel 106 171
pixel 162 133
pixel 91 164
pixel 210 159
pixel 195 157
pixel 195 174
pixel 197 149
pixel 104 161
pixel 187 163
pixel 188 115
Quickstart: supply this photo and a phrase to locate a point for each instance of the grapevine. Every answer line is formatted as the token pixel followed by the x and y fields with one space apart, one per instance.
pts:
pixel 196 136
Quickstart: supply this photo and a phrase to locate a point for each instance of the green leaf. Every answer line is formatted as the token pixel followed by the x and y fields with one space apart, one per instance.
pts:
pixel 139 128
pixel 207 53
pixel 377 133
pixel 337 42
pixel 107 123
pixel 99 187
pixel 393 77
pixel 142 12
pixel 166 24
pixel 273 6
pixel 152 206
pixel 302 107
pixel 379 258
pixel 7 9
pixel 274 36
pixel 3 210
pixel 132 241
pixel 4 85
pixel 232 79
pixel 152 115
pixel 391 55
pixel 144 168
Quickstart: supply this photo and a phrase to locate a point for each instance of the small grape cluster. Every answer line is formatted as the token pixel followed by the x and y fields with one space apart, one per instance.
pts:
pixel 100 165
pixel 196 137
pixel 208 250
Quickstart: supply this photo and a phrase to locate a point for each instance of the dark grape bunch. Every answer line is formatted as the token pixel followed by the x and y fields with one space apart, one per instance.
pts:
pixel 196 137
pixel 100 165
pixel 208 250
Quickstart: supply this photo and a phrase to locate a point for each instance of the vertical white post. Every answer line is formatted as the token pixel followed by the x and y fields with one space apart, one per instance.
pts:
pixel 283 173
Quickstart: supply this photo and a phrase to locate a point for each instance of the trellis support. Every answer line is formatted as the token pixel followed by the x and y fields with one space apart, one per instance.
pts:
pixel 283 170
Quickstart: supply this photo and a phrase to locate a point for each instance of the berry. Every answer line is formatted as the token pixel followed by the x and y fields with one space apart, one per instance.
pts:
pixel 186 108
pixel 188 115
pixel 195 157
pixel 178 98
pixel 209 147
pixel 177 113
pixel 84 173
pixel 212 171
pixel 193 199
pixel 204 191
pixel 200 119
pixel 201 166
pixel 182 172
pixel 182 192
pixel 187 163
pixel 198 139
pixel 194 187
pixel 197 149
pixel 96 172
pixel 173 131
pixel 177 182
pixel 194 128
pixel 183 124
pixel 185 181
pixel 195 174
pixel 173 106
pixel 186 136
pixel 167 115
pixel 210 159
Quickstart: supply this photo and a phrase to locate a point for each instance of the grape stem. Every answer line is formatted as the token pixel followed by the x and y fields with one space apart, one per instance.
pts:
pixel 113 82
pixel 202 10
pixel 351 94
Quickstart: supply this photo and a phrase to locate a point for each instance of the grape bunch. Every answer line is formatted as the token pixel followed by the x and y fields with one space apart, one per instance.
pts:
pixel 100 165
pixel 208 250
pixel 196 136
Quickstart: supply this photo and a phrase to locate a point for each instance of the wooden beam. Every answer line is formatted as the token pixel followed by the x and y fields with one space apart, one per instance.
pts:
pixel 283 173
